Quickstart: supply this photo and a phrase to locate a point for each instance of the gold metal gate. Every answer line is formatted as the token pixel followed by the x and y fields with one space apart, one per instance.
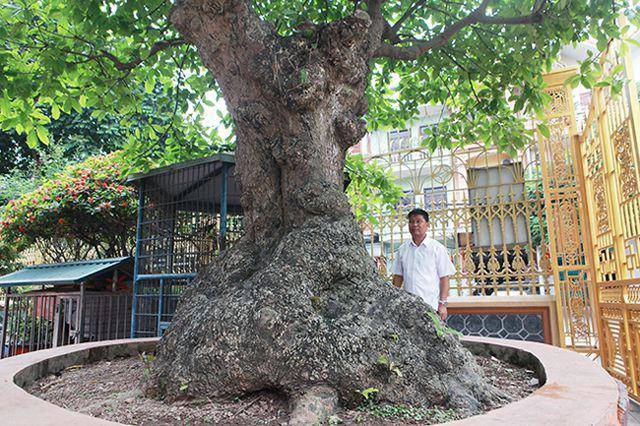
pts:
pixel 567 219
pixel 608 150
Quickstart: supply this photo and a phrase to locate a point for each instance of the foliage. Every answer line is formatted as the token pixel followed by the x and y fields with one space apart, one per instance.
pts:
pixel 147 360
pixel 402 412
pixel 49 71
pixel 26 178
pixel 369 393
pixel 371 189
pixel 383 360
pixel 8 258
pixel 441 327
pixel 60 56
pixel 88 202
pixel 79 135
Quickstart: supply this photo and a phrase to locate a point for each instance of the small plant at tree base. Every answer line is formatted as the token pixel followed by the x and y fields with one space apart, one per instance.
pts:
pixel 147 360
pixel 334 420
pixel 395 369
pixel 405 412
pixel 441 328
pixel 384 360
pixel 369 394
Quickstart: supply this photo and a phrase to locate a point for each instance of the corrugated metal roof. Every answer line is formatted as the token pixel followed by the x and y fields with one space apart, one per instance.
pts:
pixel 61 273
pixel 195 183
pixel 222 157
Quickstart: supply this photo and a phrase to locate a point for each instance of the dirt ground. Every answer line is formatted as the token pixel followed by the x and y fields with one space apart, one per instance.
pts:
pixel 109 390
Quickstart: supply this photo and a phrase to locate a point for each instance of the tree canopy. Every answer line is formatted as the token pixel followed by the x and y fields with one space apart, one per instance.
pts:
pixel 58 56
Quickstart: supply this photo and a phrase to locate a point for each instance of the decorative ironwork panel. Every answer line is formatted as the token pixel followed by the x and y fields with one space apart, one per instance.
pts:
pixel 486 207
pixel 609 151
pixel 571 259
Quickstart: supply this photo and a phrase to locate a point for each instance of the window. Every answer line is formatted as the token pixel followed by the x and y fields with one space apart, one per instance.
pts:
pixel 424 131
pixel 408 201
pixel 399 139
pixel 435 198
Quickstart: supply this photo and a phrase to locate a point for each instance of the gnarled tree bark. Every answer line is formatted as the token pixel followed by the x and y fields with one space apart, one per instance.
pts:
pixel 296 304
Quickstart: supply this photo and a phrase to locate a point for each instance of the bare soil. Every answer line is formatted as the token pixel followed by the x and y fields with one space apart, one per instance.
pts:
pixel 109 390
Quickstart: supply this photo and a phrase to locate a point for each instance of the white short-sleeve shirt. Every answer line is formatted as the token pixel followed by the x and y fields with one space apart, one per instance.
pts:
pixel 421 268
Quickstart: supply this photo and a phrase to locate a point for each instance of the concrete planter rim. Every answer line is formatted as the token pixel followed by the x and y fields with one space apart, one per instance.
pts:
pixel 576 390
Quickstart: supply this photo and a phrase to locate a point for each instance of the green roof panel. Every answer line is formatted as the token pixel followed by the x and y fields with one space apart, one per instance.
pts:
pixel 61 273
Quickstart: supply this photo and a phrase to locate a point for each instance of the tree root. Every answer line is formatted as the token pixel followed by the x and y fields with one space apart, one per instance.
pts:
pixel 314 406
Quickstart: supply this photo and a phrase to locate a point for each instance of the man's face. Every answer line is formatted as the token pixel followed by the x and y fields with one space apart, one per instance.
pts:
pixel 418 227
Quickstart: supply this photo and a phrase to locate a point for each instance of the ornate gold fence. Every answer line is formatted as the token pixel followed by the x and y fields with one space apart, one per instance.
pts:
pixel 571 257
pixel 608 150
pixel 487 208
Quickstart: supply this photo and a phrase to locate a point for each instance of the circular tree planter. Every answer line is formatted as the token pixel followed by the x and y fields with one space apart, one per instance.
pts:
pixel 575 390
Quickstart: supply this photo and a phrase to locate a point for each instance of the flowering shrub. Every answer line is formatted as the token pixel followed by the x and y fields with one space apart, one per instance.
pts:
pixel 88 202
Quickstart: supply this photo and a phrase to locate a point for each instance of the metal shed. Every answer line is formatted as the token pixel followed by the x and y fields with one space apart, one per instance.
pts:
pixel 66 303
pixel 187 213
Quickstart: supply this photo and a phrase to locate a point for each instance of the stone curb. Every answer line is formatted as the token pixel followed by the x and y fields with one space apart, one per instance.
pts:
pixel 576 390
pixel 18 407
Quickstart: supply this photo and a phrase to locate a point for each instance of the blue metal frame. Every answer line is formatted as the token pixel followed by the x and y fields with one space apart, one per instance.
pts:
pixel 136 261
pixel 164 279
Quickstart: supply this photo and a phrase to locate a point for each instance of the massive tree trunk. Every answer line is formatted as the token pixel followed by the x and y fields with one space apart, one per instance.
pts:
pixel 296 304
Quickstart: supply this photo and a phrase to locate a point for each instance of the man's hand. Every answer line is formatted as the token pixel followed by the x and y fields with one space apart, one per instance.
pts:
pixel 397 281
pixel 442 312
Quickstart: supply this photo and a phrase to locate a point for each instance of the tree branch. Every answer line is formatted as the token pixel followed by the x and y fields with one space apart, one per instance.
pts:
pixel 157 47
pixel 407 14
pixel 477 16
pixel 379 25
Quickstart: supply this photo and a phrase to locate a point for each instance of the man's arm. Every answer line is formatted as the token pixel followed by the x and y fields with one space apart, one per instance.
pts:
pixel 397 281
pixel 444 295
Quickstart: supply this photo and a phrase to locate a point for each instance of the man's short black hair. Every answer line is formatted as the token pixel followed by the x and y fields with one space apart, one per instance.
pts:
pixel 418 212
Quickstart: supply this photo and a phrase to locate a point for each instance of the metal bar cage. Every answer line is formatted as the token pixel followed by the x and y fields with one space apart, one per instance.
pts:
pixel 187 215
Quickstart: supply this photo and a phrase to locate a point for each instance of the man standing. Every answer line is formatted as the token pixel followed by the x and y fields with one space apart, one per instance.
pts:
pixel 423 265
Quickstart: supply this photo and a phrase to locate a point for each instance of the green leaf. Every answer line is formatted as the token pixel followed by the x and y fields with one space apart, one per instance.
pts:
pixel 544 130
pixel 43 134
pixel 623 48
pixel 32 139
pixel 617 69
pixel 369 392
pixel 150 83
pixel 55 111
